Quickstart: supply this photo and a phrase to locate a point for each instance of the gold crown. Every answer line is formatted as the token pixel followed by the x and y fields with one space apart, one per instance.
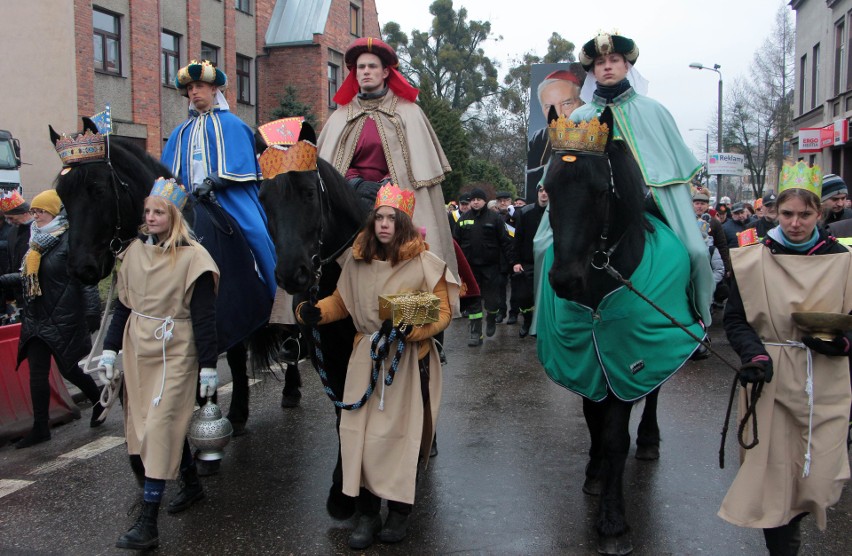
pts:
pixel 83 147
pixel 391 195
pixel 301 157
pixel 586 136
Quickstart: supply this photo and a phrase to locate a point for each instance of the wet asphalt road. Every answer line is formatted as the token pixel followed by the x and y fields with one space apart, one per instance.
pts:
pixel 507 479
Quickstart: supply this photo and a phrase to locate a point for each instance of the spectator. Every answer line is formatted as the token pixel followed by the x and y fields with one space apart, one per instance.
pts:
pixel 523 279
pixel 834 195
pixel 769 217
pixel 734 225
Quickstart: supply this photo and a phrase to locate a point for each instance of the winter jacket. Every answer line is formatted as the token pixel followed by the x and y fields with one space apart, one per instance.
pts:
pixel 482 237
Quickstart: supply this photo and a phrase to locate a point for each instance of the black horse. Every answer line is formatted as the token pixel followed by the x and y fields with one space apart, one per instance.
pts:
pixel 313 216
pixel 597 217
pixel 104 201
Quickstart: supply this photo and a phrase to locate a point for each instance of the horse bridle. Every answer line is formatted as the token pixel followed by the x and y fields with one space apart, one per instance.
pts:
pixel 601 256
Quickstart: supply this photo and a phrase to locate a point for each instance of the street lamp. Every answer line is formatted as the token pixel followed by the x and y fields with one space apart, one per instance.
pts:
pixel 696 65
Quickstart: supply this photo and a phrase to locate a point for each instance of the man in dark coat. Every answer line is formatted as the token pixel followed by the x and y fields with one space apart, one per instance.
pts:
pixel 507 212
pixel 18 219
pixel 769 218
pixel 527 220
pixel 834 193
pixel 482 237
pixel 735 224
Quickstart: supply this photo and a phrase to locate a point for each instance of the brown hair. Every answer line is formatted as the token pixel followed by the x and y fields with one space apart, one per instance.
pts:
pixel 810 199
pixel 370 246
pixel 179 233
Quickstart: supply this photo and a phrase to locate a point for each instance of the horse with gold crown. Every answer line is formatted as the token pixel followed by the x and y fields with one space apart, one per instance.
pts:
pixel 595 337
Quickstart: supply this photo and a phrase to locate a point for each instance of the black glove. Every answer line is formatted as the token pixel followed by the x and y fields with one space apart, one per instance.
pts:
pixel 309 313
pixel 11 280
pixel 836 347
pixel 756 371
pixel 93 322
pixel 210 183
pixel 386 328
pixel 403 330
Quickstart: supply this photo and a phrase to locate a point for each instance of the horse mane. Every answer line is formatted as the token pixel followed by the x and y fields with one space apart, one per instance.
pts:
pixel 341 195
pixel 630 185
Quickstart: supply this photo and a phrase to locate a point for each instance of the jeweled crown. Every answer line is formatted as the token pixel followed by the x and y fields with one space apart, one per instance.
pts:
pixel 585 136
pixel 801 176
pixel 391 195
pixel 171 190
pixel 301 157
pixel 83 147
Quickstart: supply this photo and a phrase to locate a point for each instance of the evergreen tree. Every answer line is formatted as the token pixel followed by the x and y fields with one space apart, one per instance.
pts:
pixel 291 106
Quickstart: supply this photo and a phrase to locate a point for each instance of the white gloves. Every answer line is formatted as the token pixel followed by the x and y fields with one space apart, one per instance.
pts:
pixel 208 382
pixel 108 363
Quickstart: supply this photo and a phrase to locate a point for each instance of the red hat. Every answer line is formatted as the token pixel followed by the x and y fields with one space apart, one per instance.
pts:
pixel 396 81
pixel 565 75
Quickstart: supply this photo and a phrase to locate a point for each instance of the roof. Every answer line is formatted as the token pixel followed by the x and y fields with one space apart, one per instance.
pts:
pixel 297 21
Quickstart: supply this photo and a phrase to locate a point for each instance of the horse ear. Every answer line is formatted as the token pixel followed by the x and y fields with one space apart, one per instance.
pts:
pixel 54 137
pixel 307 133
pixel 89 125
pixel 259 143
pixel 606 118
pixel 552 116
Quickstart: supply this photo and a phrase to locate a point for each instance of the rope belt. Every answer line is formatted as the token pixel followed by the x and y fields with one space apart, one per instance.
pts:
pixel 809 389
pixel 164 334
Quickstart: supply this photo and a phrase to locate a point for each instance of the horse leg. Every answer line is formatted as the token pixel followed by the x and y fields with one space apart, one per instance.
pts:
pixel 239 410
pixel 612 528
pixel 594 414
pixel 648 435
pixel 291 394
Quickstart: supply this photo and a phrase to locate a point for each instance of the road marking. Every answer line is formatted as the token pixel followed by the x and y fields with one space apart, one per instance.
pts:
pixel 51 466
pixel 8 486
pixel 92 449
pixel 229 388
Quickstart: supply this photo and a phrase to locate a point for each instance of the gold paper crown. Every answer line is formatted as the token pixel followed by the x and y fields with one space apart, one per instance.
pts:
pixel 83 147
pixel 301 157
pixel 171 190
pixel 391 195
pixel 801 176
pixel 586 136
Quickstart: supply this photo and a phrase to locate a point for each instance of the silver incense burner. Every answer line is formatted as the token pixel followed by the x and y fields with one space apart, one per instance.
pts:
pixel 209 432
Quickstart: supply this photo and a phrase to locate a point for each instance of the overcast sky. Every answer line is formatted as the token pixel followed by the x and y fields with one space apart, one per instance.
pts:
pixel 670 35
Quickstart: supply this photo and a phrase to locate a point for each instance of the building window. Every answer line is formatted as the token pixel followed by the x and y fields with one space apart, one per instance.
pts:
pixel 355 20
pixel 210 52
pixel 243 79
pixel 170 59
pixel 333 84
pixel 815 76
pixel 107 42
pixel 243 6
pixel 839 55
pixel 803 92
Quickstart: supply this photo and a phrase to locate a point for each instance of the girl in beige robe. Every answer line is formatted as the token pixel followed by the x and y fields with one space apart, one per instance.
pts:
pixel 800 464
pixel 165 320
pixel 383 440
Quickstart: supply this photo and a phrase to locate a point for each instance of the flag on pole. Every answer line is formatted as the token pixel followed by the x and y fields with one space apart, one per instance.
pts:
pixel 104 121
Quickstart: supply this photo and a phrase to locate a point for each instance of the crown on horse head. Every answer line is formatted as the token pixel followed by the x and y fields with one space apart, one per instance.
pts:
pixel 301 157
pixel 586 136
pixel 88 146
pixel 391 195
pixel 170 190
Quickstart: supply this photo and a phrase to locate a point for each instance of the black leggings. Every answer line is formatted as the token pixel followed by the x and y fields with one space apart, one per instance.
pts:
pixel 38 357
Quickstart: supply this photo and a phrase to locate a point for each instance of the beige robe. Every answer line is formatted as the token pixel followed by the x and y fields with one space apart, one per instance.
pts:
pixel 380 448
pixel 769 489
pixel 414 156
pixel 148 283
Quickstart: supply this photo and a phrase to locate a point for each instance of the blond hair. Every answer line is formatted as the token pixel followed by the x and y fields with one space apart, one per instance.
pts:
pixel 179 233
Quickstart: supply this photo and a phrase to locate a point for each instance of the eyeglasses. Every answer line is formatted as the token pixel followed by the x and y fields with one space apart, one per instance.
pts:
pixel 37 212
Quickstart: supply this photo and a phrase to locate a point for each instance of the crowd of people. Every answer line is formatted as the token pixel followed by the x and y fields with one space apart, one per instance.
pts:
pixel 167 286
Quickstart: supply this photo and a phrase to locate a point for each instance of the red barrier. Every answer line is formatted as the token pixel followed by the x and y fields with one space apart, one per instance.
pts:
pixel 16 408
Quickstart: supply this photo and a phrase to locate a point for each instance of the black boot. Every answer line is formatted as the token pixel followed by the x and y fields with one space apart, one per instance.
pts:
pixel 143 535
pixel 513 319
pixel 395 527
pixel 525 326
pixel 368 526
pixel 39 433
pixel 191 491
pixel 475 332
pixel 97 410
pixel 784 540
pixel 490 324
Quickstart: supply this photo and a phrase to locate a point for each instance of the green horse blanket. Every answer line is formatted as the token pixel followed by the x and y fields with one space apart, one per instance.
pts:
pixel 625 344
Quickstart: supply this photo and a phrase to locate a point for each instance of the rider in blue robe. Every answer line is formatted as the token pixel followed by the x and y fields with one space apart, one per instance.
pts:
pixel 214 143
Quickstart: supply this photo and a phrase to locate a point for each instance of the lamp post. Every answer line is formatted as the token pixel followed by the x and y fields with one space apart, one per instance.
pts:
pixel 696 65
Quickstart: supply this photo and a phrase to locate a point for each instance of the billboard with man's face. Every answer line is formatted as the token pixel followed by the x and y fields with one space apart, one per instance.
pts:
pixel 555 90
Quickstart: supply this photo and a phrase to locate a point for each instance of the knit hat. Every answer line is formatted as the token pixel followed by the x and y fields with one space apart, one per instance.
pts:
pixel 477 193
pixel 12 203
pixel 47 201
pixel 832 185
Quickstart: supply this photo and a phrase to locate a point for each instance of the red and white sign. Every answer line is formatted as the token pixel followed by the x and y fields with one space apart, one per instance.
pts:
pixel 814 139
pixel 841 131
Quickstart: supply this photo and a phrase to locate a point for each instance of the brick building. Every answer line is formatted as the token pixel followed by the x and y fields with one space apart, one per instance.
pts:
pixel 87 53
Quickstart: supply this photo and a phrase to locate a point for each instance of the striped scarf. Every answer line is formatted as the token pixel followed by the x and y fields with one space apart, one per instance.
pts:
pixel 42 240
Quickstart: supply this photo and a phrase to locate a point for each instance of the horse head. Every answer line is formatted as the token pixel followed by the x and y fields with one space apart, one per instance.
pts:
pixel 594 199
pixel 310 214
pixel 103 202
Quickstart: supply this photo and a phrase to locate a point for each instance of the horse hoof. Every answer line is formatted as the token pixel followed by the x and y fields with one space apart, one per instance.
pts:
pixel 648 452
pixel 291 400
pixel 615 545
pixel 592 486
pixel 239 428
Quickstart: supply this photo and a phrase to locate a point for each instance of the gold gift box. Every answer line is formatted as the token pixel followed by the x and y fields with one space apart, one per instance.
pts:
pixel 415 308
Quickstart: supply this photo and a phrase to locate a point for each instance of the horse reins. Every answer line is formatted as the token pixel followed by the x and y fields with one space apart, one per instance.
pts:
pixel 601 261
